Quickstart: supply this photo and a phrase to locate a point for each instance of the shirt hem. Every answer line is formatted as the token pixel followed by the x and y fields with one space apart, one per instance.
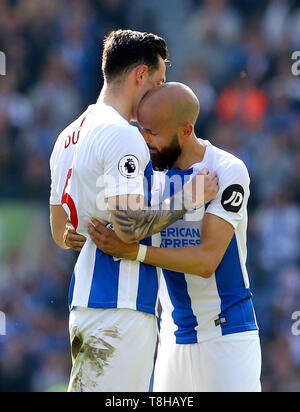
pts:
pixel 217 333
pixel 114 305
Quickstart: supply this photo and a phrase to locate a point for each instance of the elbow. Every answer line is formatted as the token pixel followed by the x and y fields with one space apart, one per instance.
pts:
pixel 60 243
pixel 206 273
pixel 58 240
pixel 208 270
pixel 208 263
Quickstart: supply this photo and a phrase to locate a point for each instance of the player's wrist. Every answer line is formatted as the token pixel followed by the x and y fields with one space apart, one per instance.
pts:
pixel 142 253
pixel 131 251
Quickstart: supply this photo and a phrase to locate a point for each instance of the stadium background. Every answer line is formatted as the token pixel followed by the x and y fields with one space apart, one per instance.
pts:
pixel 236 55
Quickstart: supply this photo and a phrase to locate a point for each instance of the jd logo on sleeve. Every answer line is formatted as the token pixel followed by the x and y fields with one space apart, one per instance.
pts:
pixel 232 198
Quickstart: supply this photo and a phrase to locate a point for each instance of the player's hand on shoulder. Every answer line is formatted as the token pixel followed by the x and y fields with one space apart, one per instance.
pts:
pixel 211 184
pixel 201 189
pixel 72 239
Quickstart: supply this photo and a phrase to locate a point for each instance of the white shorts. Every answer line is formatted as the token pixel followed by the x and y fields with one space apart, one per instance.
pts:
pixel 112 350
pixel 230 363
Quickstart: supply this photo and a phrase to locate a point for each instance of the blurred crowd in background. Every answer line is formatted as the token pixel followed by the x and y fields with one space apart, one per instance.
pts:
pixel 236 56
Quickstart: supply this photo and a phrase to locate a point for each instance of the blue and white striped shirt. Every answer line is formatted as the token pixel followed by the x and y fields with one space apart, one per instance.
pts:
pixel 97 157
pixel 195 308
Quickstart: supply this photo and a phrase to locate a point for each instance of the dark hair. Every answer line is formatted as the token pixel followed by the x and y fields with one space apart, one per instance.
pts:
pixel 125 49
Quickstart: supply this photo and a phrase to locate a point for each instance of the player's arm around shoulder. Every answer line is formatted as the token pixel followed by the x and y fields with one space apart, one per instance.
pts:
pixel 199 260
pixel 222 217
pixel 133 221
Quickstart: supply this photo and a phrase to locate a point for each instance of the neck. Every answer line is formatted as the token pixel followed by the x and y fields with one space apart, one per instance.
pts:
pixel 117 96
pixel 193 152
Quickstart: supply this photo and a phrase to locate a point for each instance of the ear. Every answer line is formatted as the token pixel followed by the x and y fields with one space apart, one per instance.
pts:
pixel 187 130
pixel 141 72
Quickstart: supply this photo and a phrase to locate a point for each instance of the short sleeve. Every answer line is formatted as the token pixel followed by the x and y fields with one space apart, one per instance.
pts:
pixel 231 201
pixel 54 196
pixel 124 158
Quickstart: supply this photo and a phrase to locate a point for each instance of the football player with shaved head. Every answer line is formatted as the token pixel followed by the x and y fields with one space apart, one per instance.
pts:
pixel 209 340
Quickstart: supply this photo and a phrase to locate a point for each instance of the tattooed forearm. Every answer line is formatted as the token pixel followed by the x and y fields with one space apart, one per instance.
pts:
pixel 140 224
